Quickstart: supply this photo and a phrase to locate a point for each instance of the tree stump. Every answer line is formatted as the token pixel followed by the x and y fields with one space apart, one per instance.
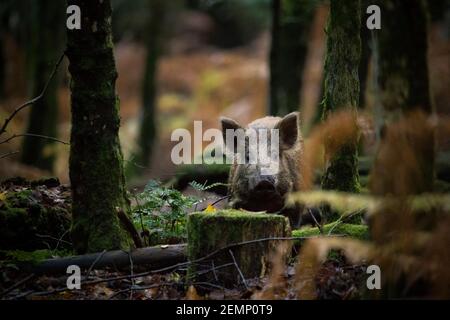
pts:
pixel 218 254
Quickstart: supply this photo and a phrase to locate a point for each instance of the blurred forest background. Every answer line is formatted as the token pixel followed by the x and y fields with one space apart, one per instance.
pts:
pixel 177 61
pixel 185 60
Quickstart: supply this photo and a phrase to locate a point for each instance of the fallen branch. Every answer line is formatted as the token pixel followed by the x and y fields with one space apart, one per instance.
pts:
pixel 154 257
pixel 35 136
pixel 18 284
pixel 8 154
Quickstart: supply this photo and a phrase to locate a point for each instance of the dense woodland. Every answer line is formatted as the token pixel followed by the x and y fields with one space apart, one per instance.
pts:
pixel 358 91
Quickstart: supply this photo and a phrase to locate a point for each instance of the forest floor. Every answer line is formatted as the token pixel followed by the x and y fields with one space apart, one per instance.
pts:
pixel 336 278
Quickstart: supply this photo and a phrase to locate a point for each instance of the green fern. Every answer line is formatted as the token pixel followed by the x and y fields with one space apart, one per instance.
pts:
pixel 203 187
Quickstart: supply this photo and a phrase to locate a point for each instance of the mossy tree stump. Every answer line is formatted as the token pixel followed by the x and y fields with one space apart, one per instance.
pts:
pixel 217 232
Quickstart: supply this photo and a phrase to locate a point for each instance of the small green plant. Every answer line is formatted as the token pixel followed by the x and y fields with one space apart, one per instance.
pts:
pixel 160 212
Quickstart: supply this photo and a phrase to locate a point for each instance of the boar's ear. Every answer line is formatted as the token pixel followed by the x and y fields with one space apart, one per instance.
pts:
pixel 229 124
pixel 289 128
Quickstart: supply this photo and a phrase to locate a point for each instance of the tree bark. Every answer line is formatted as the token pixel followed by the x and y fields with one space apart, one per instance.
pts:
pixel 147 130
pixel 209 233
pixel 403 47
pixel 291 21
pixel 96 162
pixel 342 89
pixel 44 48
pixel 2 68
pixel 404 75
pixel 364 63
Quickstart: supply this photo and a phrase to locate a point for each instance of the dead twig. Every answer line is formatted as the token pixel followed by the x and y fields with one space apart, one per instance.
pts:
pixel 8 154
pixel 215 286
pixel 34 100
pixel 61 239
pixel 238 269
pixel 53 238
pixel 316 222
pixel 131 275
pixel 94 263
pixel 138 288
pixel 17 284
pixel 35 136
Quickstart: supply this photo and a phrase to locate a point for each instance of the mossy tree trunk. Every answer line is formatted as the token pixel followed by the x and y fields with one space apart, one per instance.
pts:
pixel 342 89
pixel 291 22
pixel 45 45
pixel 147 129
pixel 404 75
pixel 96 162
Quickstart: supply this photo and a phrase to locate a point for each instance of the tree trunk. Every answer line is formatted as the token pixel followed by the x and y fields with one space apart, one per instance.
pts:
pixel 96 162
pixel 363 71
pixel 147 130
pixel 404 76
pixel 342 89
pixel 213 239
pixel 291 21
pixel 44 48
pixel 403 46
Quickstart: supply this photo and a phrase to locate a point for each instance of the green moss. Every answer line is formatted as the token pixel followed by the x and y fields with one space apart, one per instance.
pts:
pixel 208 232
pixel 356 231
pixel 96 161
pixel 342 88
pixel 22 217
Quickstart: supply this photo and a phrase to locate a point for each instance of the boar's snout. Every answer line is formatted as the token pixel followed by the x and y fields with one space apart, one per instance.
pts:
pixel 265 186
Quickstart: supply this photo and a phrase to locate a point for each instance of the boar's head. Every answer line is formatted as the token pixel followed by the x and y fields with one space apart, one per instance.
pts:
pixel 253 186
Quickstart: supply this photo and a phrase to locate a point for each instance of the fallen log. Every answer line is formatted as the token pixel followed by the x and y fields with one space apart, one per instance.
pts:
pixel 150 257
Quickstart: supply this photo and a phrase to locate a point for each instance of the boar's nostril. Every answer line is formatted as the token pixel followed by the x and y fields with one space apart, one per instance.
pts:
pixel 265 186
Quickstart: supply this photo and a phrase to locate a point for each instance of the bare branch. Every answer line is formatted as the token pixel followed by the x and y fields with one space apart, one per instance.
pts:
pixel 238 269
pixel 8 154
pixel 33 135
pixel 34 100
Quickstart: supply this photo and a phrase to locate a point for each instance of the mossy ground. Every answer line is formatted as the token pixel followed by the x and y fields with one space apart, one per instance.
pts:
pixel 33 216
pixel 357 231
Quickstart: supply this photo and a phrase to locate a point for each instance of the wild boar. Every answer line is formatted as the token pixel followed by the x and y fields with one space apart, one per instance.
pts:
pixel 249 187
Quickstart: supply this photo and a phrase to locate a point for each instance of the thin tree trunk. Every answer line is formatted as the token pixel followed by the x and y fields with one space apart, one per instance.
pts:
pixel 404 75
pixel 45 46
pixel 147 131
pixel 291 22
pixel 342 89
pixel 403 46
pixel 2 68
pixel 365 57
pixel 96 162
